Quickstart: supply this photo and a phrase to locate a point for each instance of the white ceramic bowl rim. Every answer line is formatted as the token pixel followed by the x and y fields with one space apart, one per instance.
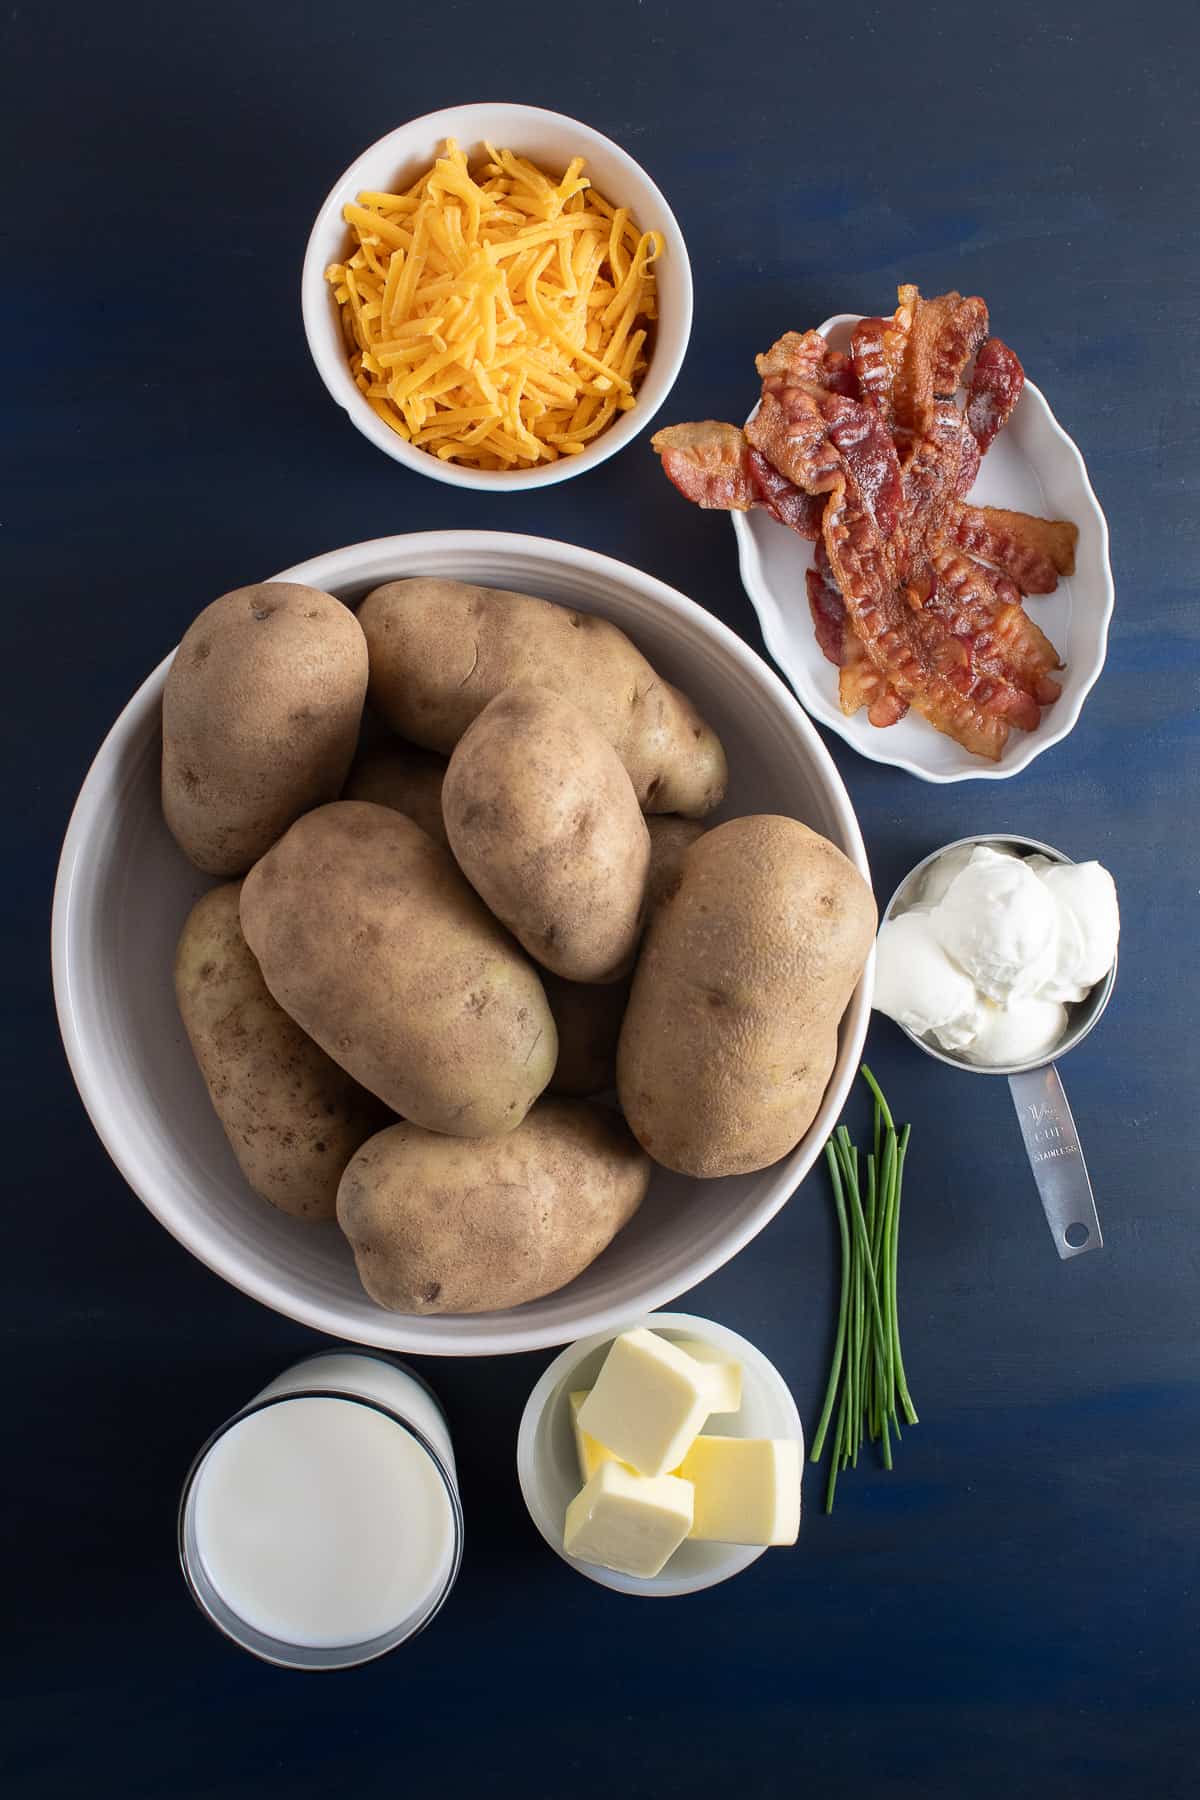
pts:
pixel 1056 724
pixel 362 565
pixel 467 123
pixel 730 1559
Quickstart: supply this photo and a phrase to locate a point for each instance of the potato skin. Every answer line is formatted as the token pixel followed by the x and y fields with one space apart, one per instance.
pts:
pixel 403 777
pixel 730 1035
pixel 292 1117
pixel 261 711
pixel 588 1017
pixel 670 840
pixel 439 1225
pixel 545 825
pixel 441 650
pixel 370 938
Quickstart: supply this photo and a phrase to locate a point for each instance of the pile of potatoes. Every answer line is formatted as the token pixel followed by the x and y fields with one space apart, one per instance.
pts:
pixel 445 931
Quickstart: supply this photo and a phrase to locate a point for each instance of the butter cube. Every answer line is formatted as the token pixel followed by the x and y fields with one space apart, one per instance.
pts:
pixel 589 1452
pixel 747 1490
pixel 626 1521
pixel 650 1400
pixel 724 1375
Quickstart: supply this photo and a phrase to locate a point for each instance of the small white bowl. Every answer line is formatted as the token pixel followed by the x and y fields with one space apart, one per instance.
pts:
pixel 1034 467
pixel 549 139
pixel 548 1471
pixel 124 890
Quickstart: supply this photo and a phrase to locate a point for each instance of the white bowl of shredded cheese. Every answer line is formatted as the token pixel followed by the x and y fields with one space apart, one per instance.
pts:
pixel 602 400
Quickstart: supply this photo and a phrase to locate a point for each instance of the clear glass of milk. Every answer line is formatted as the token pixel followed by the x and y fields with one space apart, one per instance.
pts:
pixel 321 1525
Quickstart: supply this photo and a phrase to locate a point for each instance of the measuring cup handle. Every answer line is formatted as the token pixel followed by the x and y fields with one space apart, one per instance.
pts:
pixel 1055 1156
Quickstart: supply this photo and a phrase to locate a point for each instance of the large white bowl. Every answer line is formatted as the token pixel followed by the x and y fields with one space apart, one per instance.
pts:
pixel 549 139
pixel 1033 466
pixel 124 890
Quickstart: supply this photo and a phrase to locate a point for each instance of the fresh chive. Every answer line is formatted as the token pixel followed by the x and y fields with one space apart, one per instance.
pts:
pixel 861 1374
pixel 835 1461
pixel 910 1411
pixel 867 1388
pixel 874 1196
pixel 883 1261
pixel 875 1088
pixel 856 1346
pixel 866 1269
pixel 839 1345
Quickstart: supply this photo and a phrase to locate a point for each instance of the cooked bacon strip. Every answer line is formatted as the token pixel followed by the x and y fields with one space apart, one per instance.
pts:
pixel 913 390
pixel 869 454
pixel 1016 643
pixel 828 611
pixel 913 650
pixel 1006 642
pixel 995 389
pixel 964 330
pixel 787 503
pixel 872 364
pixel 968 468
pixel 877 351
pixel 1001 703
pixel 860 684
pixel 838 374
pixel 800 355
pixel 945 335
pixel 713 465
pixel 795 438
pixel 859 681
pixel 887 708
pixel 709 464
pixel 793 413
pixel 1030 551
pixel 804 356
pixel 931 479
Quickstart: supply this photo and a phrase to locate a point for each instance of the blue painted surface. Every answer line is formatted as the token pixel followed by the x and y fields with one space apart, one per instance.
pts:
pixel 1011 1612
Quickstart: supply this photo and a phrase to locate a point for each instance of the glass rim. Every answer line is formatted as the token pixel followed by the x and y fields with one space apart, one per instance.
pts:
pixel 279 1651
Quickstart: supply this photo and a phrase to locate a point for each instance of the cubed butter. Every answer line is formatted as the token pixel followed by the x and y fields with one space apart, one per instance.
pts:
pixel 649 1402
pixel 724 1374
pixel 589 1452
pixel 626 1521
pixel 747 1490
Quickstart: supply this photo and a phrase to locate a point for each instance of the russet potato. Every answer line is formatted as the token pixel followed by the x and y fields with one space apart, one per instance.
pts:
pixel 588 1018
pixel 544 823
pixel 670 840
pixel 292 1116
pixel 261 712
pixel 371 939
pixel 730 1035
pixel 441 650
pixel 401 776
pixel 588 1015
pixel 442 1225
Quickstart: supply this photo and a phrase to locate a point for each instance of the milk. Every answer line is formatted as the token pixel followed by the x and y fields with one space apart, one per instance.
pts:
pixel 318 1520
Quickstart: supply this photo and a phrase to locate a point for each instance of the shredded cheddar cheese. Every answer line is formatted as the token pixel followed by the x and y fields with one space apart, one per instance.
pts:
pixel 498 319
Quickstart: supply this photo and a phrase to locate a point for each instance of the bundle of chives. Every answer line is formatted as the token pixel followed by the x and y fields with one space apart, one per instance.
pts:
pixel 867 1382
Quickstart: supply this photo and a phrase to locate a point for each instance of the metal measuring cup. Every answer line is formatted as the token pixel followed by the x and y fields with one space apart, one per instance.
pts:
pixel 1051 1140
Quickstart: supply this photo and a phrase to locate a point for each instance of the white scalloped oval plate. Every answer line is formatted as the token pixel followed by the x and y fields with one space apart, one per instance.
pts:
pixel 1033 466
